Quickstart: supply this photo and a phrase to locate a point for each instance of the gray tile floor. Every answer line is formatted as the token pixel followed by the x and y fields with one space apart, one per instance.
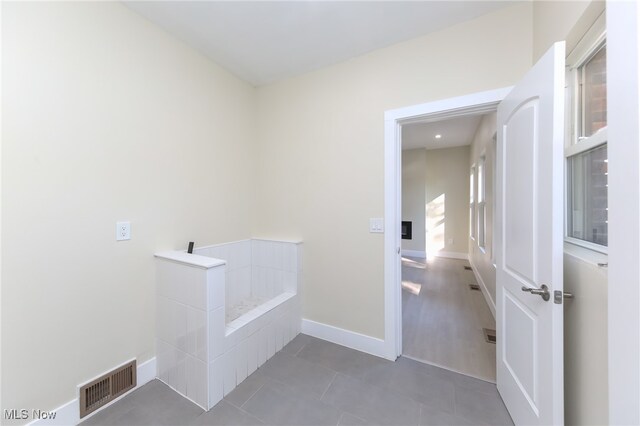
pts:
pixel 313 382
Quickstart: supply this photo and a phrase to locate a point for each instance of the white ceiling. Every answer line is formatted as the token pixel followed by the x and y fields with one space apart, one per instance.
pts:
pixel 266 41
pixel 457 131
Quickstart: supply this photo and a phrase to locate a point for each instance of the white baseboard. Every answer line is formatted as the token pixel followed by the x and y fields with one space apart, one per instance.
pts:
pixel 414 253
pixel 65 415
pixel 69 413
pixel 483 288
pixel 146 372
pixel 452 255
pixel 340 336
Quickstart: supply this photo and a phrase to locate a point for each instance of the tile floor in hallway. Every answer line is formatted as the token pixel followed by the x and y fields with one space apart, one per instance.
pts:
pixel 314 382
pixel 442 319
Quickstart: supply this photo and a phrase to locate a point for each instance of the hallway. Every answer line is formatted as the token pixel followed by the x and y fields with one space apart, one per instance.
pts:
pixel 443 319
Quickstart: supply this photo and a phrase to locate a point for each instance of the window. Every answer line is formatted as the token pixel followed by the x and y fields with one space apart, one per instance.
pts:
pixel 472 203
pixel 482 225
pixel 587 195
pixel 494 155
pixel 586 153
pixel 592 85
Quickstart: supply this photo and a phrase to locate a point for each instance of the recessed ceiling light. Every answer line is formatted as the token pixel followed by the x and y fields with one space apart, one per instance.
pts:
pixel 438 136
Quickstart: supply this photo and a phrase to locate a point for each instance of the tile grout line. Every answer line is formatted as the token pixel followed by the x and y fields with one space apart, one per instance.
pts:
pixel 292 387
pixel 245 411
pixel 342 413
pixel 420 414
pixel 301 348
pixel 335 374
pixel 248 399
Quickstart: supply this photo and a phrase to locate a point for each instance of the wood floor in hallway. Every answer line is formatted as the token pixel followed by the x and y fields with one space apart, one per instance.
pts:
pixel 442 319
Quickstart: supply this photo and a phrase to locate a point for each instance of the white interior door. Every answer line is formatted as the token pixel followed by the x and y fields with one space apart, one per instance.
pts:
pixel 529 236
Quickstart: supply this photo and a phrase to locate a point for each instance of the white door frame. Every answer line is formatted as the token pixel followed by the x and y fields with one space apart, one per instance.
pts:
pixel 623 68
pixel 432 111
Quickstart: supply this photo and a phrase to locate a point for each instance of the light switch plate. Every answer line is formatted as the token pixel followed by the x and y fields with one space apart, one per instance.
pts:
pixel 376 225
pixel 123 231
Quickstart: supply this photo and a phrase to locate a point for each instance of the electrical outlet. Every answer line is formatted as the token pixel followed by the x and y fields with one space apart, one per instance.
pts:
pixel 123 231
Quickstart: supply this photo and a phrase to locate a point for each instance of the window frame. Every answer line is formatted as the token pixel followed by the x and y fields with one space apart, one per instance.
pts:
pixel 481 226
pixel 494 205
pixel 593 41
pixel 472 202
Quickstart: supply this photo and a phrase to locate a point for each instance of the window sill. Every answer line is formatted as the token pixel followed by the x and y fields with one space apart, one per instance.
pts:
pixel 589 256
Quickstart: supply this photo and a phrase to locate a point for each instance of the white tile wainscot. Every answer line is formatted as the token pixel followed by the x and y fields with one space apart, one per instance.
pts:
pixel 199 354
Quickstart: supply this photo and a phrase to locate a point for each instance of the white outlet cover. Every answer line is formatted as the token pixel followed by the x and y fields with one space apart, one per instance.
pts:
pixel 376 225
pixel 123 231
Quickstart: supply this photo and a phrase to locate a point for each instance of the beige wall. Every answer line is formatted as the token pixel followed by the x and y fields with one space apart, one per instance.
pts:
pixel 105 117
pixel 321 161
pixel 435 196
pixel 552 21
pixel 482 261
pixel 447 200
pixel 414 167
pixel 585 341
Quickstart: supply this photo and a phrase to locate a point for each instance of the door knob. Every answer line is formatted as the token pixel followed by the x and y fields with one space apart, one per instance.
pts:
pixel 542 291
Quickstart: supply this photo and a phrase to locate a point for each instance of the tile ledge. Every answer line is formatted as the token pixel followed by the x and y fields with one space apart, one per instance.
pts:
pixel 256 312
pixel 196 260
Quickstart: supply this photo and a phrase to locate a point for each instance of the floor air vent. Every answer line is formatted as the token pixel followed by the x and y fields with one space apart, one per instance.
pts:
pixel 106 388
pixel 489 335
pixel 467 268
pixel 475 287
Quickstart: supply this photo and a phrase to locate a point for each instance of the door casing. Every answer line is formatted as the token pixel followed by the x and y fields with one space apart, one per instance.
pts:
pixel 476 103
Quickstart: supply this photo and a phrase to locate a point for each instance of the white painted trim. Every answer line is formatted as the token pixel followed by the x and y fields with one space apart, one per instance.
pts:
pixel 452 255
pixel 340 336
pixel 604 250
pixel 146 372
pixel 589 44
pixel 392 243
pixel 586 255
pixel 446 108
pixel 414 253
pixel 623 91
pixel 1 186
pixel 69 413
pixel 484 289
pixel 437 110
pixel 598 138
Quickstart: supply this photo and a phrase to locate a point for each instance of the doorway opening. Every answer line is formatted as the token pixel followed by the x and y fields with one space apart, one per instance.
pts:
pixel 477 104
pixel 448 277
